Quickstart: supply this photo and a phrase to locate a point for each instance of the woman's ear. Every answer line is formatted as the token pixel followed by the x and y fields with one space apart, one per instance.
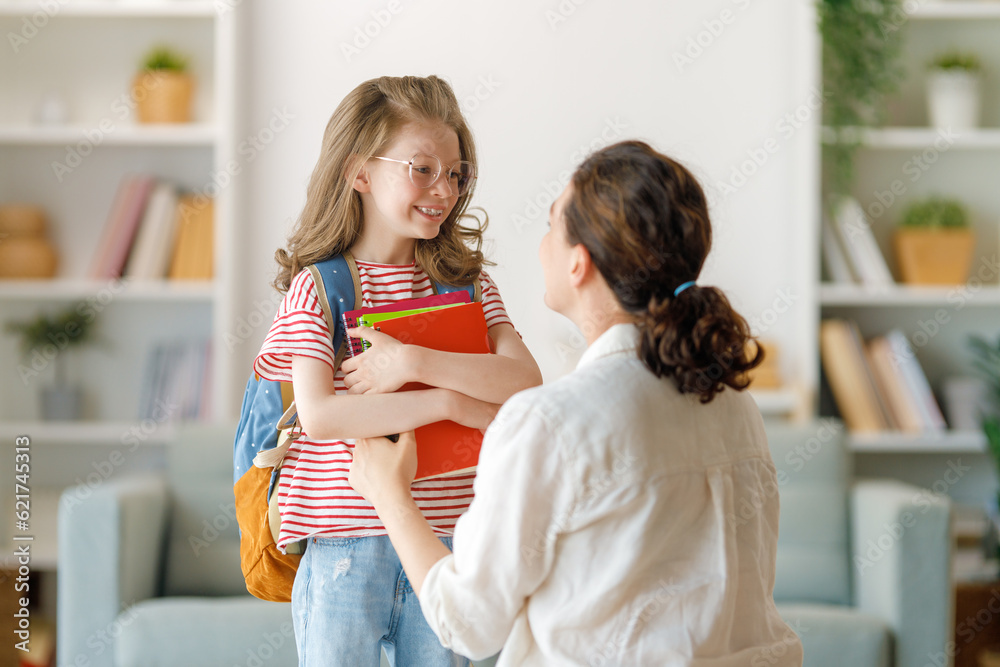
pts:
pixel 581 265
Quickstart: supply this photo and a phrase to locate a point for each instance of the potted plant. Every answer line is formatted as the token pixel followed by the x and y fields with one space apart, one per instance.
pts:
pixel 163 89
pixel 861 66
pixel 44 341
pixel 933 243
pixel 987 364
pixel 953 96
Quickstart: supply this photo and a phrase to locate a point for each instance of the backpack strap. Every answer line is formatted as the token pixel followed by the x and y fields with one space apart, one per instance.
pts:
pixel 475 290
pixel 336 279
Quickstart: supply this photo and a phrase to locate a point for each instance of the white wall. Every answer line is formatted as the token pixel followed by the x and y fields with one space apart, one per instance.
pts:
pixel 542 83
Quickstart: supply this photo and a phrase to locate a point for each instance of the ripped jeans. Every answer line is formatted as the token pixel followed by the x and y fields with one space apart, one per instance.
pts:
pixel 351 598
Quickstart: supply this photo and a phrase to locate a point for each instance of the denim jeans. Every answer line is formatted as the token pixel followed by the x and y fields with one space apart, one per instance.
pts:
pixel 351 598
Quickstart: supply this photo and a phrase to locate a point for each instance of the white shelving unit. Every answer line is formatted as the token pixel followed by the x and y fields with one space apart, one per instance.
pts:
pixel 922 161
pixel 109 39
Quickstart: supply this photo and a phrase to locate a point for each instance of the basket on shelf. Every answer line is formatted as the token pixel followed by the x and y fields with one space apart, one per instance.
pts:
pixel 164 90
pixel 25 250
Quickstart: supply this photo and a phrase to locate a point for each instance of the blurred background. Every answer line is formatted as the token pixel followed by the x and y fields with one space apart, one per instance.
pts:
pixel 137 229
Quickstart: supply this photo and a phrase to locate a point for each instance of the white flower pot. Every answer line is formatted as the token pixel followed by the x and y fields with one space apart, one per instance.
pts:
pixel 61 403
pixel 953 98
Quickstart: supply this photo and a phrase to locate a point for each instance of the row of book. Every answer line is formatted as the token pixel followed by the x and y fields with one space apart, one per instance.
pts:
pixel 850 251
pixel 153 231
pixel 878 384
pixel 177 382
pixel 445 322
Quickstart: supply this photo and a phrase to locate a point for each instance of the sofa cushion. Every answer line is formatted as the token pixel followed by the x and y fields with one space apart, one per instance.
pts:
pixel 813 561
pixel 197 632
pixel 833 636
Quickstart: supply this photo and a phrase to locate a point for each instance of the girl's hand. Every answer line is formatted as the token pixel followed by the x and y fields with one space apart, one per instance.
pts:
pixel 382 369
pixel 472 412
pixel 382 468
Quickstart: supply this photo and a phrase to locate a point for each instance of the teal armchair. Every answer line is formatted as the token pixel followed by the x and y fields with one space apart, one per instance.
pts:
pixel 863 567
pixel 149 569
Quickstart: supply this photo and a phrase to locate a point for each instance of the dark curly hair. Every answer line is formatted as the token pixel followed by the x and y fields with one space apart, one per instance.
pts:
pixel 643 218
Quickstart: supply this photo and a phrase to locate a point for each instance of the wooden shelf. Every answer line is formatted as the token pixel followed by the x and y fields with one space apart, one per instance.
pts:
pixel 915 138
pixel 892 442
pixel 190 134
pixel 838 294
pixel 117 9
pixel 68 289
pixel 112 433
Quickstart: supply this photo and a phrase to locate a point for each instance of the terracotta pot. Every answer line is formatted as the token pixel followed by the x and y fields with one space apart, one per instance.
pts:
pixel 934 256
pixel 25 252
pixel 163 96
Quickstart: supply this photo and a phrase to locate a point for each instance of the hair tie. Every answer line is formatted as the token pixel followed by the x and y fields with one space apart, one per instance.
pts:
pixel 682 287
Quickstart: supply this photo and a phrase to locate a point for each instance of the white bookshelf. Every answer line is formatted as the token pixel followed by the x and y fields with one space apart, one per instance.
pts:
pixel 921 161
pixel 110 37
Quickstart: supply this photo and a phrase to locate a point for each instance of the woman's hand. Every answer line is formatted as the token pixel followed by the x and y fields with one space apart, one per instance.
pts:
pixel 383 469
pixel 382 369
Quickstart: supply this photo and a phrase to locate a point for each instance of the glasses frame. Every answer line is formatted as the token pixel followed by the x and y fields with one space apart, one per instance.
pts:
pixel 444 169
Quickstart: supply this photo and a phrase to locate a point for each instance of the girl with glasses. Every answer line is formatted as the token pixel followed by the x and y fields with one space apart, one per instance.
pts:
pixel 392 187
pixel 610 525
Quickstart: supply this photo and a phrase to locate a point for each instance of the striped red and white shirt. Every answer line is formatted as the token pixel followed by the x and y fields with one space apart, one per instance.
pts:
pixel 314 495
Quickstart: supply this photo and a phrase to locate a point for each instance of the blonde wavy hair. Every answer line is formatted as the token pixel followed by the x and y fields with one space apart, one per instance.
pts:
pixel 361 126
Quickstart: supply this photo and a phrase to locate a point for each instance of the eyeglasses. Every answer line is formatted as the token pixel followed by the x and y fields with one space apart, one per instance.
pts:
pixel 425 170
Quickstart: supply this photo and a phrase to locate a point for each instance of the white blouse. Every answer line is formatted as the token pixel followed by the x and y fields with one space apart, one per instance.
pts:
pixel 607 528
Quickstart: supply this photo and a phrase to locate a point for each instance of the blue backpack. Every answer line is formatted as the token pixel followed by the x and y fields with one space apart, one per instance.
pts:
pixel 268 426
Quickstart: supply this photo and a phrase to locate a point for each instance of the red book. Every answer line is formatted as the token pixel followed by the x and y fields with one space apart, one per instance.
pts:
pixel 120 230
pixel 356 346
pixel 444 447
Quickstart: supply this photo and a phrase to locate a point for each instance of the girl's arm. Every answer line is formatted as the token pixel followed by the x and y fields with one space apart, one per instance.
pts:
pixel 388 364
pixel 325 416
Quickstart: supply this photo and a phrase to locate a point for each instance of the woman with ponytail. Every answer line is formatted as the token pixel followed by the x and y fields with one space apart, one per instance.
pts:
pixel 609 525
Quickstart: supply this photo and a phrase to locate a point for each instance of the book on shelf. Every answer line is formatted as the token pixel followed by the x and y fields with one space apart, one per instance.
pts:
pixel 845 366
pixel 121 226
pixel 444 447
pixel 193 251
pixel 838 270
pixel 154 239
pixel 853 236
pixel 176 385
pixel 152 233
pixel 877 385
